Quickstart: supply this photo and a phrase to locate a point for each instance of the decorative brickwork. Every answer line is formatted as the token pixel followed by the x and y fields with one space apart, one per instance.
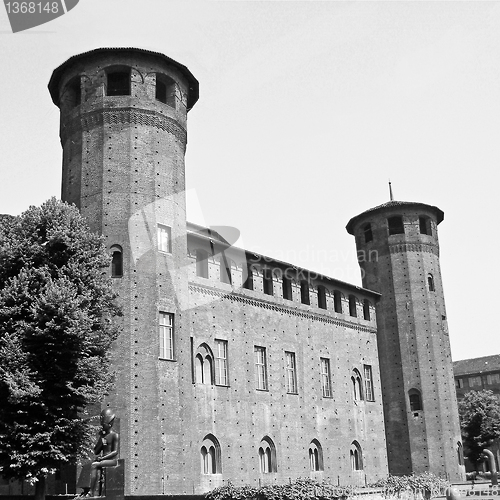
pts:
pixel 414 247
pixel 235 297
pixel 125 116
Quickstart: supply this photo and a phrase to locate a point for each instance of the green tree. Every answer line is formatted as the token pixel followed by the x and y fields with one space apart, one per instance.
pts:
pixel 56 328
pixel 480 422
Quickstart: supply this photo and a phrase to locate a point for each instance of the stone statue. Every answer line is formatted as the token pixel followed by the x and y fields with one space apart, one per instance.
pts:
pixel 106 454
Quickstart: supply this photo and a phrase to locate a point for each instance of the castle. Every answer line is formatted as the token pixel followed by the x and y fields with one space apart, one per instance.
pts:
pixel 233 365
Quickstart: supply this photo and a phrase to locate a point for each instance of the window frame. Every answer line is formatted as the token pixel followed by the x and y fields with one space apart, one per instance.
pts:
pixel 260 359
pixel 202 270
pixel 286 287
pixel 161 231
pixel 353 306
pixel 116 262
pixel 368 380
pixel 267 456
pixel 367 232
pixel 211 462
pixel 415 399
pixel 169 86
pixel 221 363
pixel 166 334
pixel 267 281
pixel 315 456
pixel 395 225
pixel 291 373
pixel 116 91
pixel 304 293
pixel 326 378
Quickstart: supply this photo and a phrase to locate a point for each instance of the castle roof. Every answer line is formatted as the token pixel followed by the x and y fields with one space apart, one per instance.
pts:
pixel 393 204
pixel 58 72
pixel 476 365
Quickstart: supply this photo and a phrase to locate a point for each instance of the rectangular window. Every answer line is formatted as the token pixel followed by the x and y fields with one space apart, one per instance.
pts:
pixel 247 277
pixel 369 396
pixel 164 240
pixel 493 378
pixel 118 83
pixel 459 383
pixel 287 287
pixel 425 225
pixel 396 225
pixel 260 368
pixel 326 378
pixel 291 373
pixel 221 377
pixel 166 331
pixel 267 281
pixel 475 381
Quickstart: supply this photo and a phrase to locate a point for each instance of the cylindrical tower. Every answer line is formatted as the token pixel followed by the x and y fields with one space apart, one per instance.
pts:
pixel 398 252
pixel 123 133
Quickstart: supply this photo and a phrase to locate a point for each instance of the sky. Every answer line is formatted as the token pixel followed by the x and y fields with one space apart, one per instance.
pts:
pixel 307 109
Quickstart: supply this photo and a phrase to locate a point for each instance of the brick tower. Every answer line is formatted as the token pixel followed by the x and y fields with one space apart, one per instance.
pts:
pixel 123 133
pixel 398 252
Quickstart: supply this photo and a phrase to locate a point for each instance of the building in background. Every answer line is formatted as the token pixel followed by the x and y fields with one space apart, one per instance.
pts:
pixel 477 374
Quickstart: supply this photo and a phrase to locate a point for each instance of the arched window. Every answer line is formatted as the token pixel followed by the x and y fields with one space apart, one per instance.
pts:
pixel 315 456
pixel 356 456
pixel 201 263
pixel 430 283
pixel 396 225
pixel 73 93
pixel 204 365
pixel 165 89
pixel 304 292
pixel 116 261
pixel 415 400
pixel 210 455
pixel 366 309
pixel 460 453
pixel 247 277
pixel 267 456
pixel 224 269
pixel 352 306
pixel 357 385
pixel 424 225
pixel 118 81
pixel 337 301
pixel 367 232
pixel 321 297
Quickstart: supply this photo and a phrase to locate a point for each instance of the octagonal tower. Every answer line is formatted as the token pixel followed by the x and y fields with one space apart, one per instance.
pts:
pixel 123 133
pixel 398 252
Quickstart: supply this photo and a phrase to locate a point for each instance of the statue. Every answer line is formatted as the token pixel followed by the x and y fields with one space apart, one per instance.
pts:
pixel 106 454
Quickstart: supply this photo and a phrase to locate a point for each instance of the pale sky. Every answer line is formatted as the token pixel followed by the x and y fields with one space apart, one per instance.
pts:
pixel 306 110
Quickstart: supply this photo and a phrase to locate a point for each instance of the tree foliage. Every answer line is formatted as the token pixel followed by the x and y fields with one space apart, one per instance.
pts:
pixel 56 329
pixel 480 422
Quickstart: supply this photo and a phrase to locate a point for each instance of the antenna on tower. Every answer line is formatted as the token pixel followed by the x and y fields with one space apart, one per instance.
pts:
pixel 390 191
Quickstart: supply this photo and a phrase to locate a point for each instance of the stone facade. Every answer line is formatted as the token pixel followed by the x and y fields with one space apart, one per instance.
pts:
pixel 231 365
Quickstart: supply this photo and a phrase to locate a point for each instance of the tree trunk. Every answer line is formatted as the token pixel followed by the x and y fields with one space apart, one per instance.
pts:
pixel 40 488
